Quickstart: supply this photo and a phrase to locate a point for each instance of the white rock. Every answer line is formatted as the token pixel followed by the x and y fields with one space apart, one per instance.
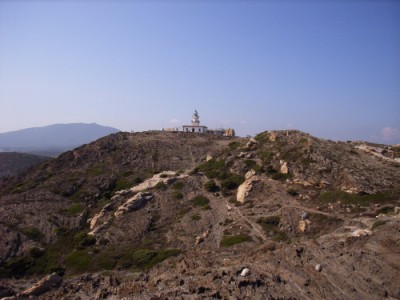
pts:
pixel 361 232
pixel 318 268
pixel 284 167
pixel 245 272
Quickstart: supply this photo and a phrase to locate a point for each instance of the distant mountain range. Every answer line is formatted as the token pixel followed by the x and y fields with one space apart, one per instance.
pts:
pixel 53 139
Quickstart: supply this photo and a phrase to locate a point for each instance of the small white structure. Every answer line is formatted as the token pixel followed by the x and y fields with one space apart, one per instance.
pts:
pixel 197 128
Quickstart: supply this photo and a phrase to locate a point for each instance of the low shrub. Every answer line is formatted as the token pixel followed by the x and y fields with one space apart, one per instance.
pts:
pixel 161 186
pixel 251 164
pixel 144 259
pixel 33 233
pixel 232 182
pixel 214 168
pixel 233 145
pixel 280 176
pixel 200 200
pixel 178 185
pixel 74 210
pixel 292 192
pixel 176 194
pixel 83 240
pixel 210 186
pixel 230 240
pixel 78 261
pixel 195 217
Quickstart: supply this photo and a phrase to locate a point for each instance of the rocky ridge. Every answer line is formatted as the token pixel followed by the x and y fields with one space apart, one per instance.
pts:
pixel 282 215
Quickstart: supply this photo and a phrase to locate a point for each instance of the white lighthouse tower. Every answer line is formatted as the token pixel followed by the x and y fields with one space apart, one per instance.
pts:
pixel 195 119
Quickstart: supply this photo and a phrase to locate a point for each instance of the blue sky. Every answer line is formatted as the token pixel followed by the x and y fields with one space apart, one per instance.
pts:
pixel 330 68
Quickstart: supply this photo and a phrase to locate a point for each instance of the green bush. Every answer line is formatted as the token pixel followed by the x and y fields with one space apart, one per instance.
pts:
pixel 144 259
pixel 211 186
pixel 78 261
pixel 176 194
pixel 265 156
pixel 75 209
pixel 200 200
pixel 214 168
pixel 161 186
pixel 292 192
pixel 33 233
pixel 232 182
pixel 16 266
pixel 195 217
pixel 280 176
pixel 178 185
pixel 251 164
pixel 230 240
pixel 83 240
pixel 386 210
pixel 137 180
pixel 233 145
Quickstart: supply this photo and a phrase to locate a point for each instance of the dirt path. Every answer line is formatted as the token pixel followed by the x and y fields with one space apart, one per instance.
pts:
pixel 252 224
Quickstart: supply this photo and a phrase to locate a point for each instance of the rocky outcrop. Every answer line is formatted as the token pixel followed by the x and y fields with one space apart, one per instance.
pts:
pixel 386 154
pixel 166 177
pixel 133 203
pixel 44 285
pixel 245 188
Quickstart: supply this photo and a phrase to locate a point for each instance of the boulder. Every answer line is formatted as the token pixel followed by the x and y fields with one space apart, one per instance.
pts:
pixel 284 167
pixel 245 188
pixel 304 225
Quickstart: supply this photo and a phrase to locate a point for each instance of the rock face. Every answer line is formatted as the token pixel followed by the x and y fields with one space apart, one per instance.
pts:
pixel 245 188
pixel 44 285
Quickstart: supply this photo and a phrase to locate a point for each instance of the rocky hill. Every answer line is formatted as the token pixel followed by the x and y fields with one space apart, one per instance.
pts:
pixel 159 215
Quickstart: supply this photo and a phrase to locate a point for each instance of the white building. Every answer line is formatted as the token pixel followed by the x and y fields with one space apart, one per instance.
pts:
pixel 197 128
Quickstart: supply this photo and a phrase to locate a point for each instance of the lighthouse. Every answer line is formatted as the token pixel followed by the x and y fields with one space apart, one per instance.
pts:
pixel 195 127
pixel 195 119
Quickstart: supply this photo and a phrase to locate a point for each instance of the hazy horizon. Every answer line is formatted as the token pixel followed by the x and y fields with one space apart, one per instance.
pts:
pixel 331 69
